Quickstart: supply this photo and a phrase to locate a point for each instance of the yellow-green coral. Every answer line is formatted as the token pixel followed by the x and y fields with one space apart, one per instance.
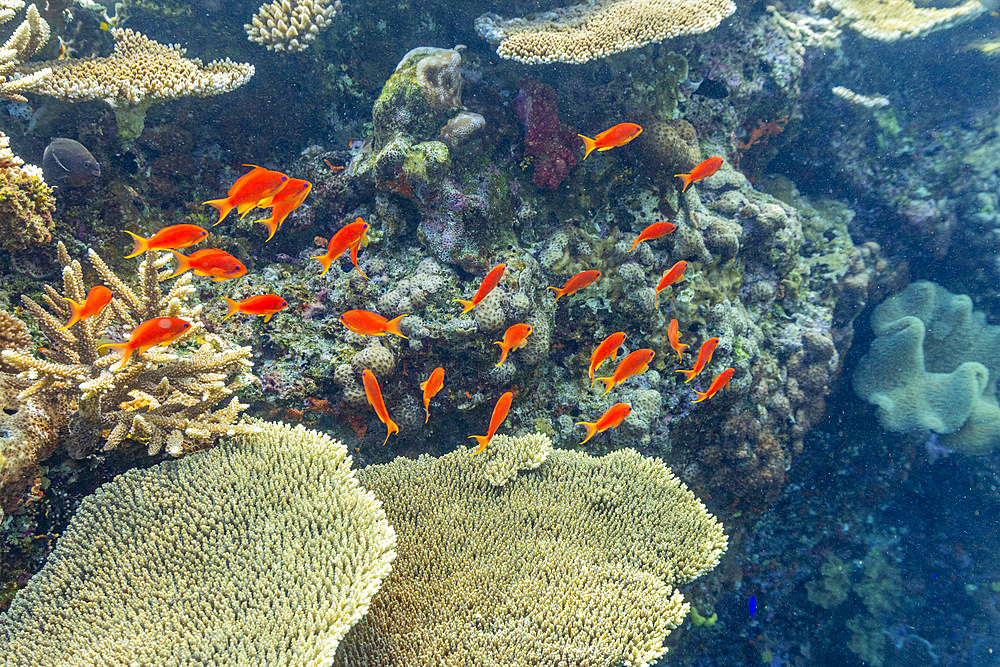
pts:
pixel 26 206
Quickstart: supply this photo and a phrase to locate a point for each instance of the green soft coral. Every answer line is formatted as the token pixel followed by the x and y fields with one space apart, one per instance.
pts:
pixel 933 367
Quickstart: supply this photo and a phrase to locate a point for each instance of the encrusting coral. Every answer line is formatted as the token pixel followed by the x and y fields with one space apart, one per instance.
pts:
pixel 26 202
pixel 934 367
pixel 585 32
pixel 167 397
pixel 140 72
pixel 532 556
pixel 263 551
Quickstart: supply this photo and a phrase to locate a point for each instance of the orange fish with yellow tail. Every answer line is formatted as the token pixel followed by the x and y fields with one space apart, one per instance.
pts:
pixel 576 283
pixel 608 348
pixel 674 336
pixel 491 280
pixel 654 231
pixel 635 363
pixel 157 331
pixel 720 381
pixel 672 275
pixel 515 337
pixel 287 200
pixel 704 356
pixel 174 237
pixel 374 395
pixel 348 237
pixel 611 418
pixel 218 264
pixel 500 411
pixel 619 135
pixel 703 170
pixel 249 189
pixel 431 386
pixel 367 323
pixel 97 300
pixel 263 304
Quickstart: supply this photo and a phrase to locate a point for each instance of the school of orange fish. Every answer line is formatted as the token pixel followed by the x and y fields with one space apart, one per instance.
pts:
pixel 263 188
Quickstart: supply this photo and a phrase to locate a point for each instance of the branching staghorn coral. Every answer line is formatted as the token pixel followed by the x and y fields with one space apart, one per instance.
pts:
pixel 532 556
pixel 23 43
pixel 168 396
pixel 263 551
pixel 139 73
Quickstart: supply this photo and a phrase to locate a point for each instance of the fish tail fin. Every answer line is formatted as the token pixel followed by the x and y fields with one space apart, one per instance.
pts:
pixel 183 264
pixel 483 440
pixel 392 326
pixel 234 307
pixel 75 310
pixel 702 395
pixel 325 261
pixel 609 384
pixel 221 205
pixel 688 179
pixel 589 144
pixel 503 353
pixel 591 430
pixel 559 292
pixel 124 349
pixel 466 306
pixel 688 375
pixel 390 428
pixel 141 245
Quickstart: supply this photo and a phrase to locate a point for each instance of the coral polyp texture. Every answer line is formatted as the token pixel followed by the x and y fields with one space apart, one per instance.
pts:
pixel 584 32
pixel 180 397
pixel 31 35
pixel 934 367
pixel 290 25
pixel 26 202
pixel 264 550
pixel 891 20
pixel 140 72
pixel 532 557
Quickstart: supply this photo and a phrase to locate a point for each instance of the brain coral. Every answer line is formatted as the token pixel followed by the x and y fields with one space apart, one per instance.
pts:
pixel 934 368
pixel 532 557
pixel 262 551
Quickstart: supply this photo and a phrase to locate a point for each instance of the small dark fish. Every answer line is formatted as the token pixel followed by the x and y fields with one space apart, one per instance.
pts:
pixel 68 162
pixel 752 605
pixel 711 89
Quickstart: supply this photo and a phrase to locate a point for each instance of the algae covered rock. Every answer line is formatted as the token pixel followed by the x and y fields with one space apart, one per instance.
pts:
pixel 933 367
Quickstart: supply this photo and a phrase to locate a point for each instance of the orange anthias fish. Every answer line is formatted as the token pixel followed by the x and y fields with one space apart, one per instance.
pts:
pixel 515 336
pixel 500 411
pixel 374 394
pixel 173 237
pixel 491 280
pixel 248 190
pixel 576 283
pixel 672 275
pixel 348 237
pixel 218 264
pixel 611 418
pixel 720 381
pixel 703 170
pixel 608 348
pixel 367 323
pixel 431 386
pixel 654 231
pixel 157 331
pixel 97 299
pixel 704 356
pixel 287 200
pixel 619 135
pixel 635 363
pixel 264 304
pixel 674 336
